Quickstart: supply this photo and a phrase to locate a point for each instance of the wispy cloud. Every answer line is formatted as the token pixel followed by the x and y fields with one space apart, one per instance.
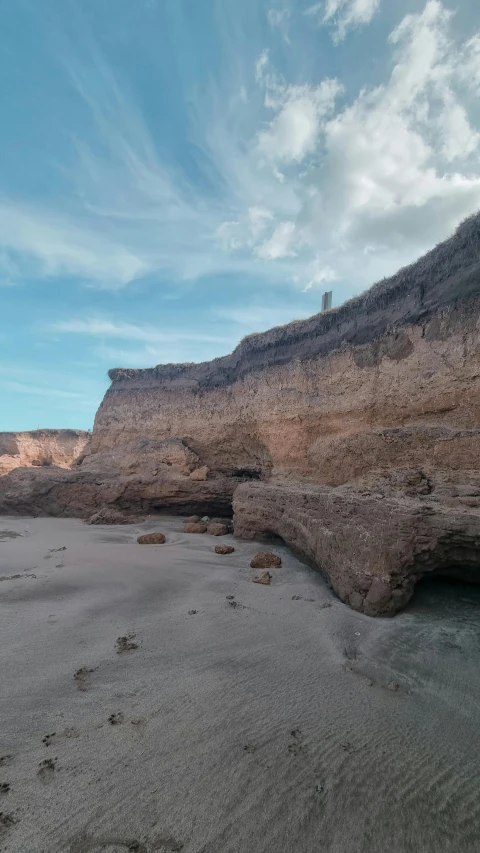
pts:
pixel 99 328
pixel 23 388
pixel 257 318
pixel 43 243
pixel 344 15
pixel 282 179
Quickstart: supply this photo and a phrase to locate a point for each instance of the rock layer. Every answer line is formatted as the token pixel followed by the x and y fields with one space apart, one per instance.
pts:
pixel 42 448
pixel 354 435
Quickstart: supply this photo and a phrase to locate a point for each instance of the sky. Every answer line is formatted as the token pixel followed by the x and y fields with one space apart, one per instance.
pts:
pixel 177 174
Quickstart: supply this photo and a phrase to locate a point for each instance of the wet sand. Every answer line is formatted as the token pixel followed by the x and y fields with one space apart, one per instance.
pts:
pixel 143 710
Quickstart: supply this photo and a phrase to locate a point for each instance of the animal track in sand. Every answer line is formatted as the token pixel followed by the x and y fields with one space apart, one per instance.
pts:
pixel 82 678
pixel 126 644
pixel 5 760
pixel 47 740
pixel 116 719
pixel 4 788
pixel 46 770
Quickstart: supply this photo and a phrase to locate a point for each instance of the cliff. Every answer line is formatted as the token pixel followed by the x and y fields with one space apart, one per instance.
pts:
pixel 42 448
pixel 354 435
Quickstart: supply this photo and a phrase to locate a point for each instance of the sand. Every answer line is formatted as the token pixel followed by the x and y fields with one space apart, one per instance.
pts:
pixel 142 710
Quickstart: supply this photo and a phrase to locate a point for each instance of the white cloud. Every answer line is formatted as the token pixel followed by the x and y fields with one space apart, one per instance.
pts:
pixel 344 14
pixel 320 275
pixel 278 245
pixel 100 328
pixel 278 19
pixel 260 65
pixel 389 182
pixel 290 183
pixel 294 131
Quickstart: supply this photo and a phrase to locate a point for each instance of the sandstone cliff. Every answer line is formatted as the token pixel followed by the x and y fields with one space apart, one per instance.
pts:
pixel 361 427
pixel 42 448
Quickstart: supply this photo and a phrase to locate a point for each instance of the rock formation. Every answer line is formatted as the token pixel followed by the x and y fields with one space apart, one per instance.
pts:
pixel 354 435
pixel 42 448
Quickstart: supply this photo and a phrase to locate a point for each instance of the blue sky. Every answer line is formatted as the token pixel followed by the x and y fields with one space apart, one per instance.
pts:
pixel 176 174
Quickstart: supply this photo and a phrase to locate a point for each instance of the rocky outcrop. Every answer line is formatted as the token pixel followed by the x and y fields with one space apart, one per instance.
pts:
pixel 371 545
pixel 62 448
pixel 354 435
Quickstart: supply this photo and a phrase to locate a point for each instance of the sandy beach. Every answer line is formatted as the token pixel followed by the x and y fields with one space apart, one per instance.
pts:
pixel 144 709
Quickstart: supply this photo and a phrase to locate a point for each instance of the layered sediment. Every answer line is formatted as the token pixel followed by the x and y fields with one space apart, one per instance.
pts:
pixel 61 448
pixel 354 435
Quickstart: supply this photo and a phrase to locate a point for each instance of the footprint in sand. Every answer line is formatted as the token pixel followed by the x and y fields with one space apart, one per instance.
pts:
pixel 6 822
pixel 4 788
pixel 82 678
pixel 296 744
pixel 46 770
pixel 116 719
pixel 5 760
pixel 126 644
pixel 47 740
pixel 71 731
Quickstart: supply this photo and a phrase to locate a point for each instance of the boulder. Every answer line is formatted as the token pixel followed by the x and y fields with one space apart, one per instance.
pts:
pixel 264 578
pixel 266 560
pixel 217 529
pixel 195 527
pixel 192 519
pixel 151 539
pixel 224 549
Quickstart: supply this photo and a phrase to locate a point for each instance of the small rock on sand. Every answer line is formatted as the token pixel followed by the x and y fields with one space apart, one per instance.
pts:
pixel 109 515
pixel 215 529
pixel 394 686
pixel 195 527
pixel 151 539
pixel 264 578
pixel 224 549
pixel 266 560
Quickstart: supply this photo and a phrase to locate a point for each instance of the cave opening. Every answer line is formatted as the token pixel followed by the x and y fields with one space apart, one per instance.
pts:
pixel 218 508
pixel 450 582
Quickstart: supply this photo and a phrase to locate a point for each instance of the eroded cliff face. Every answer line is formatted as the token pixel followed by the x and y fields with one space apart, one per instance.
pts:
pixel 61 448
pixel 354 435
